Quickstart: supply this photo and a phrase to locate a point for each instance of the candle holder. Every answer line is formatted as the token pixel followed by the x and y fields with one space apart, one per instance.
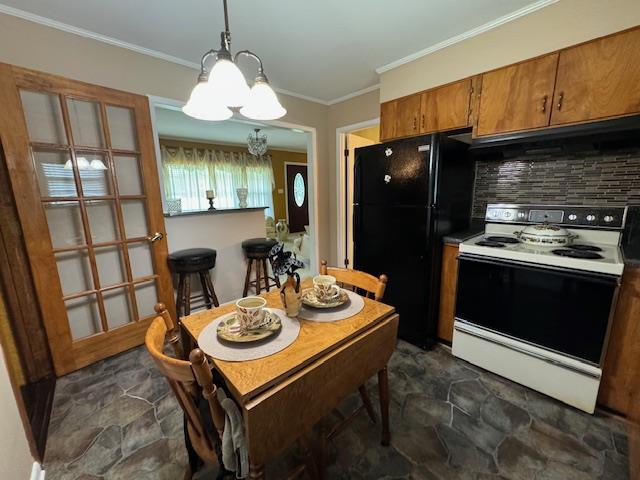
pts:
pixel 211 196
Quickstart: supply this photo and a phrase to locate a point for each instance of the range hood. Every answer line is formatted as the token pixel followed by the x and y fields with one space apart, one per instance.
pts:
pixel 601 135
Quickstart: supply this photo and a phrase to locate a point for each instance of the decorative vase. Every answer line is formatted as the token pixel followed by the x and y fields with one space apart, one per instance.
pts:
pixel 291 296
pixel 282 230
pixel 242 196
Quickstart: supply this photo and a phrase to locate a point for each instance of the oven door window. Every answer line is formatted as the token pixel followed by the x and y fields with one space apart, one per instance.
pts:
pixel 563 310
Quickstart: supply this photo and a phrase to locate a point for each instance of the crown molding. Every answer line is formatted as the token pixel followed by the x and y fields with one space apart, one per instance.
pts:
pixel 468 34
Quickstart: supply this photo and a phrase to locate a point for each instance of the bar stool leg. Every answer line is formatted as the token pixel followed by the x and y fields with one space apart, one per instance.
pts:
pixel 265 273
pixel 258 289
pixel 212 291
pixel 275 277
pixel 187 295
pixel 205 289
pixel 247 278
pixel 180 296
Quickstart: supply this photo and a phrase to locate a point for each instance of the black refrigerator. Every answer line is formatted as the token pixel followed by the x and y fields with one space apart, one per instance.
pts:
pixel 408 194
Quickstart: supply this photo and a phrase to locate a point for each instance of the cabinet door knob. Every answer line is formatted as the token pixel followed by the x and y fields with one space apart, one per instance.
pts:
pixel 415 123
pixel 560 99
pixel 544 103
pixel 422 125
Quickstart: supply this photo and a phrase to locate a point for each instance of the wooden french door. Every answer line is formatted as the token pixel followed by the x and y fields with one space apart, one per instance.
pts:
pixel 297 196
pixel 82 168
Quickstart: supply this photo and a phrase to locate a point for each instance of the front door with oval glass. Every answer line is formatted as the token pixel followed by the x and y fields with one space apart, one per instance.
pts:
pixel 297 196
pixel 90 211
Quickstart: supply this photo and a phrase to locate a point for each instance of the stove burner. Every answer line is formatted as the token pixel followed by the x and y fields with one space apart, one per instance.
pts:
pixel 502 239
pixel 565 252
pixel 585 248
pixel 489 243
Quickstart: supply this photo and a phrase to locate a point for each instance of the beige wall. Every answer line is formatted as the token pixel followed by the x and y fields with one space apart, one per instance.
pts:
pixel 371 133
pixel 42 48
pixel 16 459
pixel 559 25
pixel 355 110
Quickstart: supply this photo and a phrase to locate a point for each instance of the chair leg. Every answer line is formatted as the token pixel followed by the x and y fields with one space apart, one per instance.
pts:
pixel 256 472
pixel 265 272
pixel 205 289
pixel 212 291
pixel 364 395
pixel 258 275
pixel 383 388
pixel 275 277
pixel 247 278
pixel 187 294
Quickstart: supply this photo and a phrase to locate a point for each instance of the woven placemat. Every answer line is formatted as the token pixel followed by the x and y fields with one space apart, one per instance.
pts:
pixel 349 309
pixel 210 344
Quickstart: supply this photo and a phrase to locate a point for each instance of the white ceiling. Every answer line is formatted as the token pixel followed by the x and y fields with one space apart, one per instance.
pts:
pixel 324 49
pixel 172 123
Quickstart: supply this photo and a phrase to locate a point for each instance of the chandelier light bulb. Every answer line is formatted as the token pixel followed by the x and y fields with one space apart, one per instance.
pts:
pixel 205 104
pixel 262 103
pixel 229 83
pixel 97 164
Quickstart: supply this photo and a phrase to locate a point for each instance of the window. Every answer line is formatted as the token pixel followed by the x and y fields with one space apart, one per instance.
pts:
pixel 189 173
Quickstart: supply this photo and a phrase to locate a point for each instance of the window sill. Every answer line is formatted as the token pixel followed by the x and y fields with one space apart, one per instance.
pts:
pixel 213 212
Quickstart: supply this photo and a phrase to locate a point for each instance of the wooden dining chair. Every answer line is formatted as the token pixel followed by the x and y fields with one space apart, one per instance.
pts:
pixel 366 285
pixel 184 377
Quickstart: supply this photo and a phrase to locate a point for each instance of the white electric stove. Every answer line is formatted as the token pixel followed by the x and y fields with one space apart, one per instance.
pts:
pixel 540 315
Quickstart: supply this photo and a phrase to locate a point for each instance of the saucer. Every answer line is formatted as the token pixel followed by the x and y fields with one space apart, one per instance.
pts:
pixel 229 329
pixel 310 299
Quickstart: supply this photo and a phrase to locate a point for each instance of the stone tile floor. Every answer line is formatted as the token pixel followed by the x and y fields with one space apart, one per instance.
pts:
pixel 118 420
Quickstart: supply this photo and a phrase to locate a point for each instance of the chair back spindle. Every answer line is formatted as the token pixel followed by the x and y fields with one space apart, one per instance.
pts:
pixel 362 283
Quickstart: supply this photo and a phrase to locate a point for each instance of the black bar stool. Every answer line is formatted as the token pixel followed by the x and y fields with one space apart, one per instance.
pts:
pixel 257 250
pixel 187 262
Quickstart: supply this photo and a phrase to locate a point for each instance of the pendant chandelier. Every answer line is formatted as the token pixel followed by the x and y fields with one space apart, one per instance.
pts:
pixel 257 144
pixel 224 87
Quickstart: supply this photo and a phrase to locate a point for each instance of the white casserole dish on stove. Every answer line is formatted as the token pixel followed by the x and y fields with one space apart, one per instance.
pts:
pixel 545 235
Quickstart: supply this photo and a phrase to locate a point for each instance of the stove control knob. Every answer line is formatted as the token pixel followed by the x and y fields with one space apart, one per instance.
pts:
pixel 522 215
pixel 506 214
pixel 608 218
pixel 591 218
pixel 573 217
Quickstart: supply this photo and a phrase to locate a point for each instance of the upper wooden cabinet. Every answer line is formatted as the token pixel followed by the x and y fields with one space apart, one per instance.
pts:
pixel 445 108
pixel 517 97
pixel 388 120
pixel 598 79
pixel 407 116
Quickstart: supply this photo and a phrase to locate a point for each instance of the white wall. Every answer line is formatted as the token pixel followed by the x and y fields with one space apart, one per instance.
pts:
pixel 15 457
pixel 556 26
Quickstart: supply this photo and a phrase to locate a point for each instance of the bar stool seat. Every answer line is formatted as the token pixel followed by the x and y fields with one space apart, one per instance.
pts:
pixel 257 250
pixel 193 261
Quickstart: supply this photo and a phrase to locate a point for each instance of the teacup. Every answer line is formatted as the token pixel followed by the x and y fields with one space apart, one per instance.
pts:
pixel 250 312
pixel 325 287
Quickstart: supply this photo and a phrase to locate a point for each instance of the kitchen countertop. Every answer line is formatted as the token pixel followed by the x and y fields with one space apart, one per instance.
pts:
pixel 213 212
pixel 476 228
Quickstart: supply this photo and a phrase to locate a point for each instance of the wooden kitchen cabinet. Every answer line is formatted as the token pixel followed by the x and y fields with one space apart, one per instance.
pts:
pixel 620 377
pixel 408 115
pixel 445 108
pixel 388 120
pixel 517 97
pixel 598 79
pixel 448 282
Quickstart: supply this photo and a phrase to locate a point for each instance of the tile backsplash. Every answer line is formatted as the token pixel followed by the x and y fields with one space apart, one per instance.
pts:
pixel 596 178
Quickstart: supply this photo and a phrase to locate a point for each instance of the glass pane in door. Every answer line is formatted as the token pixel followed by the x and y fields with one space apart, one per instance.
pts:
pixel 94 175
pixel 84 316
pixel 122 127
pixel 135 218
pixel 117 306
pixel 102 220
pixel 128 175
pixel 44 117
pixel 110 265
pixel 86 124
pixel 75 271
pixel 65 224
pixel 55 173
pixel 146 298
pixel 140 257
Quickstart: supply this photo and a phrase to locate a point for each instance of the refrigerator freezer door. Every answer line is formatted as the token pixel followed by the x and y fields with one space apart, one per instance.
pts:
pixel 394 173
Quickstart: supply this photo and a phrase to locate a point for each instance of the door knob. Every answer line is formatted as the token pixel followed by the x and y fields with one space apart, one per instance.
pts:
pixel 155 237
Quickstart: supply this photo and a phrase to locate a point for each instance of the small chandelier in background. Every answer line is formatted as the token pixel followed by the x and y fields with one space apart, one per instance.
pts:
pixel 225 87
pixel 257 145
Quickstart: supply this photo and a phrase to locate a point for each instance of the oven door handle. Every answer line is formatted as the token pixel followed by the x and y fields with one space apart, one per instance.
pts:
pixel 461 328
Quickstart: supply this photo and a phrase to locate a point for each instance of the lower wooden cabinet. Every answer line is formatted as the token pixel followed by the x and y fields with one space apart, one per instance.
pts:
pixel 448 281
pixel 621 373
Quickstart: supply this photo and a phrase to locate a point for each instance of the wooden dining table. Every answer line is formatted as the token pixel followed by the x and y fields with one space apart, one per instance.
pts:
pixel 282 396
